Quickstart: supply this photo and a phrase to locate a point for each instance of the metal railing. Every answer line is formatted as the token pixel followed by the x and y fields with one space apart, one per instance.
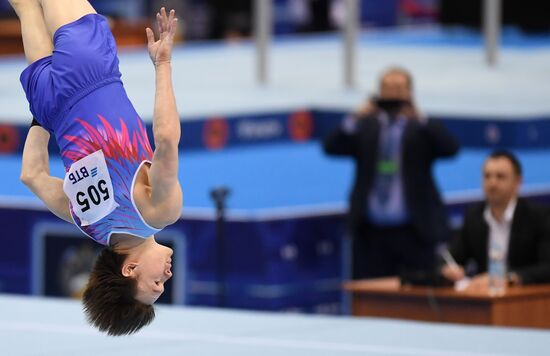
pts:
pixel 263 20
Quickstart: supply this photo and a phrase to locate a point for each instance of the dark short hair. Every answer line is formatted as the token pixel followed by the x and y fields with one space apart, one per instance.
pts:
pixel 400 70
pixel 109 299
pixel 510 157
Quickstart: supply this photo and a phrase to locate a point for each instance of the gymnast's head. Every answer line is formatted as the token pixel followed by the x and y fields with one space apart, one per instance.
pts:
pixel 127 279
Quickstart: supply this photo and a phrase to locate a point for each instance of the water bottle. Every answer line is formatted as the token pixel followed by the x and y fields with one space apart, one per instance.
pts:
pixel 497 272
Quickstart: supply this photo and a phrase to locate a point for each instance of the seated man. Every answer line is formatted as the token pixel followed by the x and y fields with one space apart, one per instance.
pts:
pixel 520 227
pixel 116 190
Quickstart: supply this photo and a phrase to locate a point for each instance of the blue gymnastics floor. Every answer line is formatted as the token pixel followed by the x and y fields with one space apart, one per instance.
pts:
pixel 31 326
pixel 286 178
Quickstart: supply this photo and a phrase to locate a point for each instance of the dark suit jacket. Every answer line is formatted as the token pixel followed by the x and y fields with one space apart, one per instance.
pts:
pixel 528 249
pixel 422 144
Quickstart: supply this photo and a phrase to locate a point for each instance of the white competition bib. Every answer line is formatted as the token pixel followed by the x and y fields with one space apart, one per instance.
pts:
pixel 89 188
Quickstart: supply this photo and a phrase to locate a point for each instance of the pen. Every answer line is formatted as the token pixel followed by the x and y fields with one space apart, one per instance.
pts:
pixel 449 260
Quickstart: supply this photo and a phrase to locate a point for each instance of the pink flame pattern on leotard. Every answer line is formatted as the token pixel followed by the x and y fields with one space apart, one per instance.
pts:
pixel 124 150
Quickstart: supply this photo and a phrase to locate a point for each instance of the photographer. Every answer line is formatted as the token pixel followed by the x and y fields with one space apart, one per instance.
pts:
pixel 396 213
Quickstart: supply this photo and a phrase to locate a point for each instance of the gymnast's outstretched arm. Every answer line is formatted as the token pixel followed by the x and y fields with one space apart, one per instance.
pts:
pixel 166 194
pixel 35 173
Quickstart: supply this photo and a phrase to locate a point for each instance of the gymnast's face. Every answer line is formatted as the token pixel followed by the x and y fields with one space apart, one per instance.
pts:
pixel 500 181
pixel 153 267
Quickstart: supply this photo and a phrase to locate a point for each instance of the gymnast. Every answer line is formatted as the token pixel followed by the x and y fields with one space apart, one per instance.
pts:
pixel 116 189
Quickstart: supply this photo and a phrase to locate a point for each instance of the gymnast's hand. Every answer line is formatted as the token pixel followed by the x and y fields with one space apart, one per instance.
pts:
pixel 161 51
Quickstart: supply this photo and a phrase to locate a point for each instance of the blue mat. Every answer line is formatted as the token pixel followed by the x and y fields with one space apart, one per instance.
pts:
pixel 287 177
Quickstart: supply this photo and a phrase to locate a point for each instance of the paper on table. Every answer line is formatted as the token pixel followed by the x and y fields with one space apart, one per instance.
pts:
pixel 462 284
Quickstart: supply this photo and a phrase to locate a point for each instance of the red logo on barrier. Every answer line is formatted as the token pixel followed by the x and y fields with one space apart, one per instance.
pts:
pixel 9 139
pixel 215 133
pixel 300 126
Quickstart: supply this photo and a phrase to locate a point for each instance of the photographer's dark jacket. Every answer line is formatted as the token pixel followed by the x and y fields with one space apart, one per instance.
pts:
pixel 423 143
